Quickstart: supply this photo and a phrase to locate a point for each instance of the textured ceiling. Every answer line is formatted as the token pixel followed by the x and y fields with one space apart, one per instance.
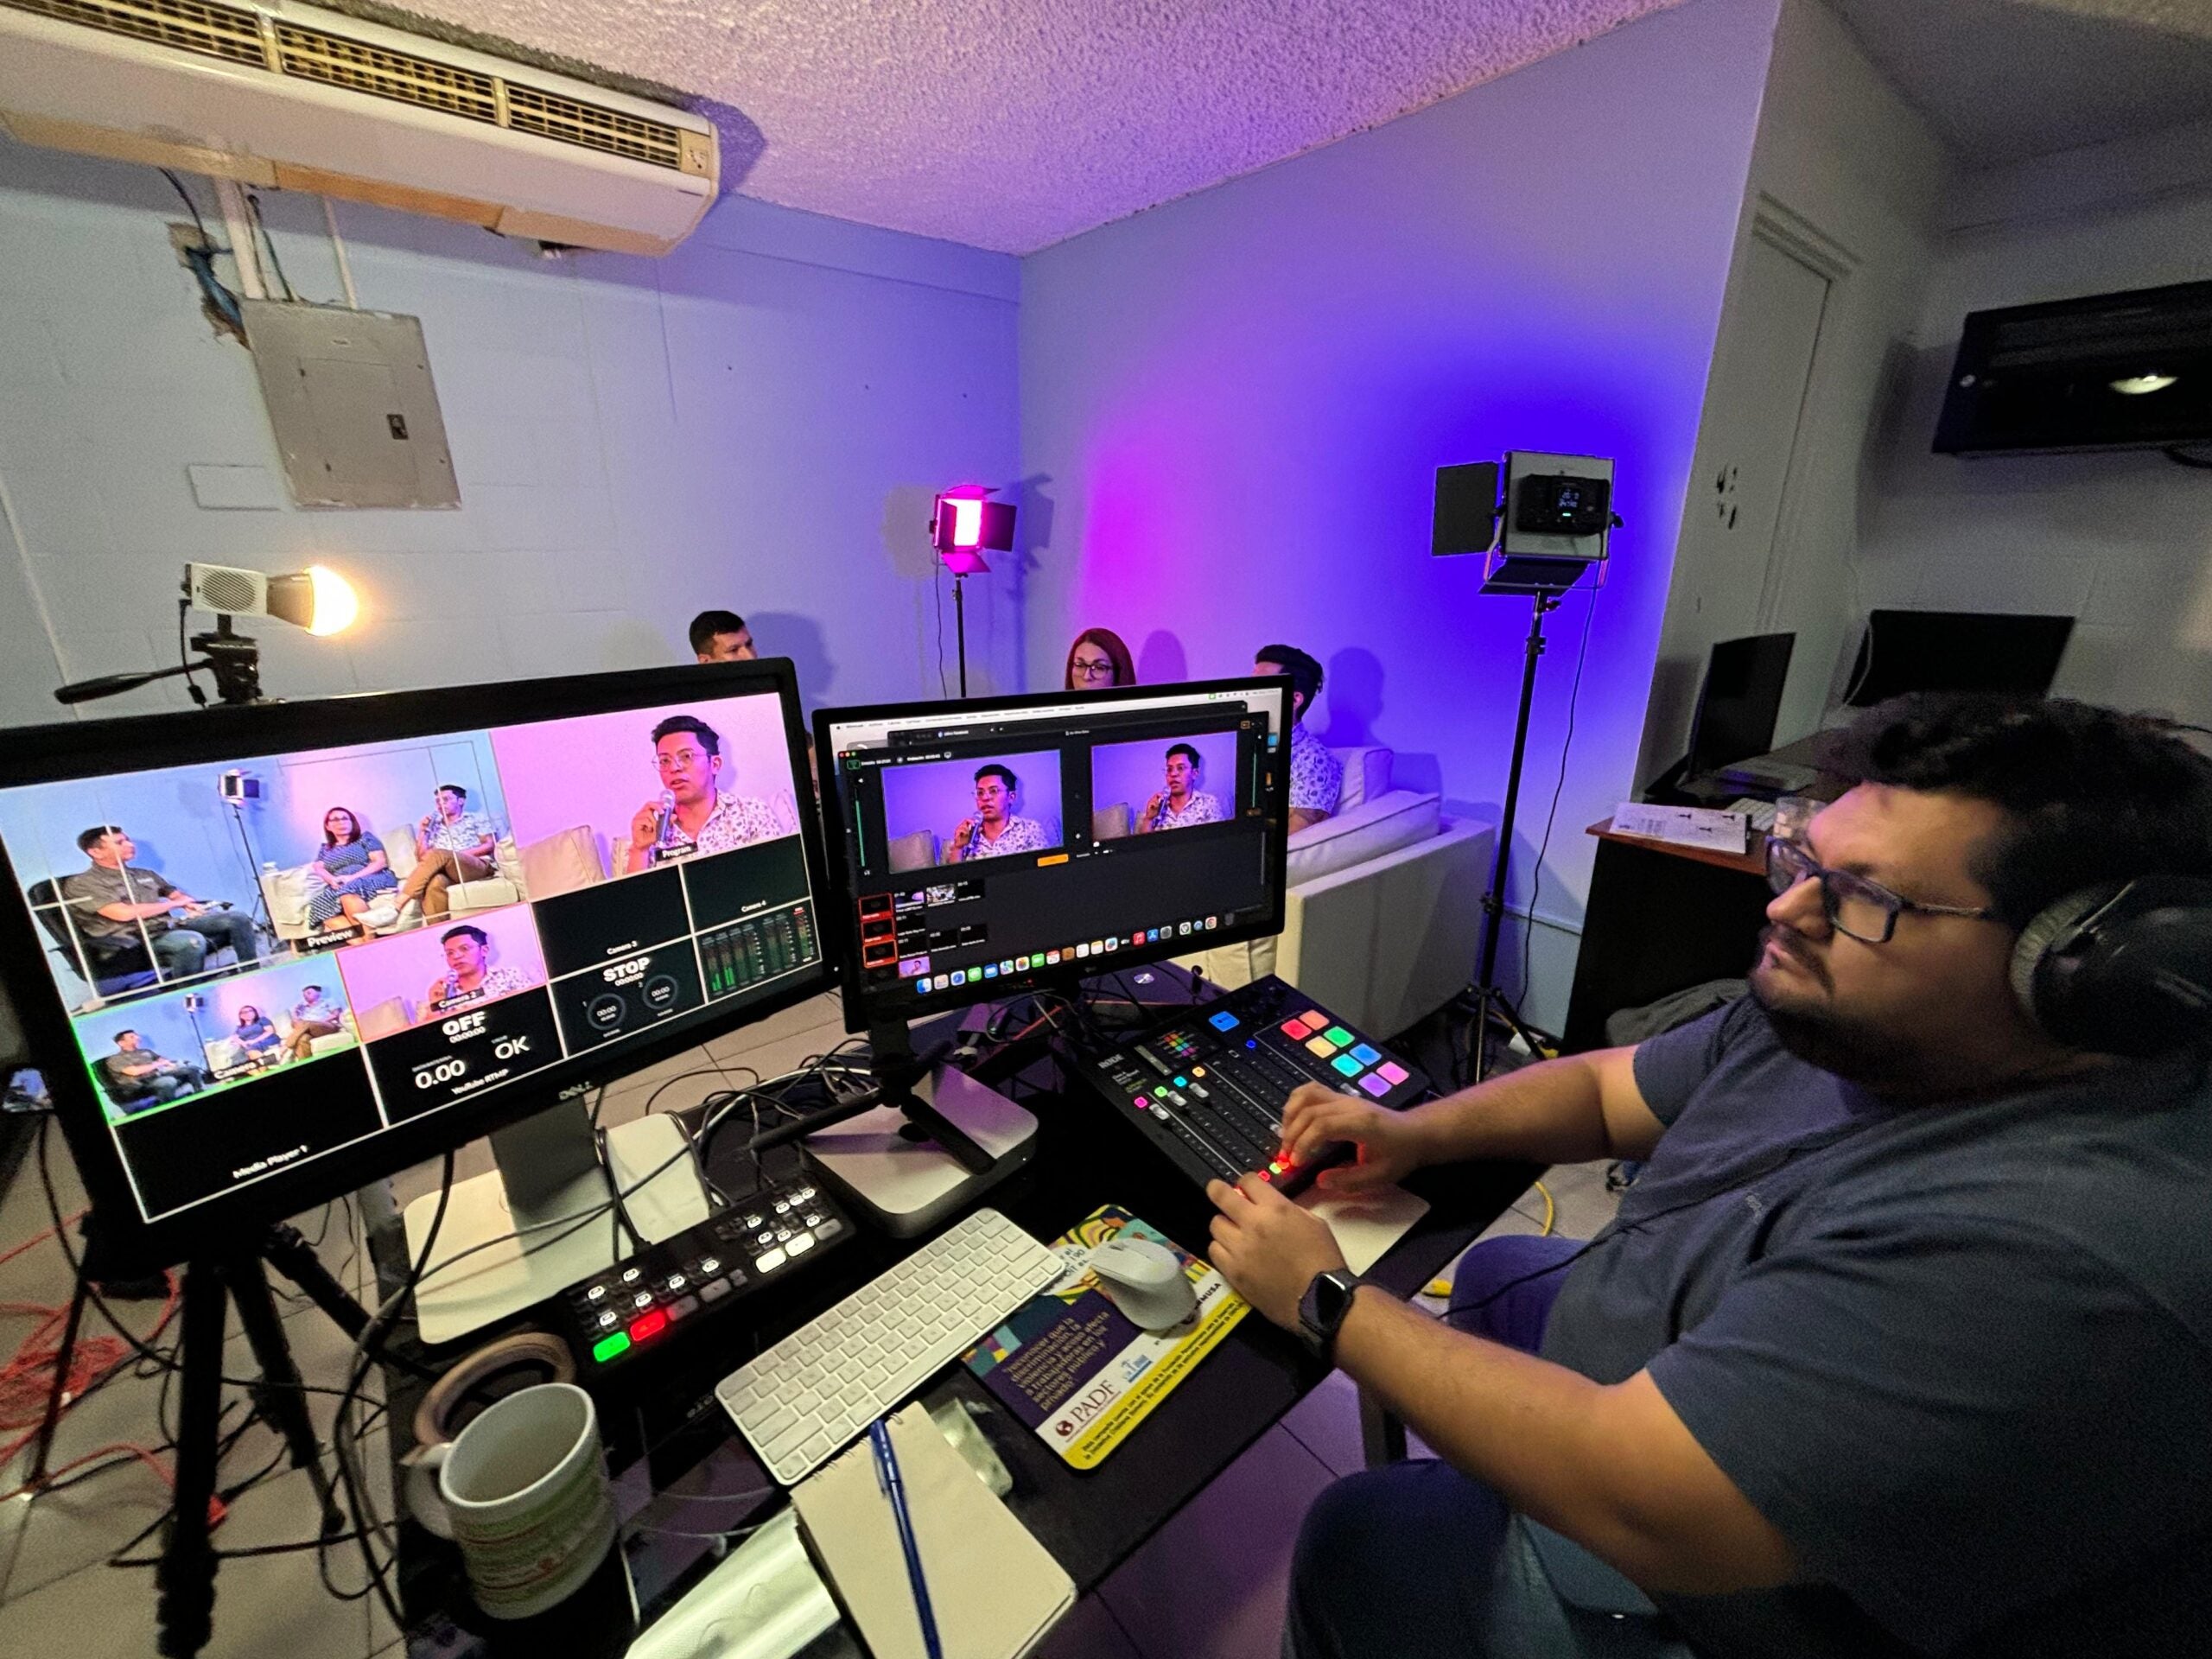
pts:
pixel 2002 80
pixel 1015 124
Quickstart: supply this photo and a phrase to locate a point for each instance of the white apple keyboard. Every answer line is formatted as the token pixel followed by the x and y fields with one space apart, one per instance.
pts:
pixel 822 1385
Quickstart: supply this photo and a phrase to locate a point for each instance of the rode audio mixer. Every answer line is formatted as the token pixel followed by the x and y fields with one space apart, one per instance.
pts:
pixel 1207 1084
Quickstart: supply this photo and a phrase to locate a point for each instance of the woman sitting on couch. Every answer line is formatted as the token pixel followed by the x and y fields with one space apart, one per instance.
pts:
pixel 256 1038
pixel 349 878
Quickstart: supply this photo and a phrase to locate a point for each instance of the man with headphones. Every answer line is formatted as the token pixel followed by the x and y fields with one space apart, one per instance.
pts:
pixel 1902 1342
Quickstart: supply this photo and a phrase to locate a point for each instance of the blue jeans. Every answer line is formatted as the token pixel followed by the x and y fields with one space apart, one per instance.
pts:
pixel 181 949
pixel 1417 1561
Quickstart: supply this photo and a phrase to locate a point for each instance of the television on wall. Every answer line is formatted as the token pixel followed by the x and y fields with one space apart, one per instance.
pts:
pixel 2129 370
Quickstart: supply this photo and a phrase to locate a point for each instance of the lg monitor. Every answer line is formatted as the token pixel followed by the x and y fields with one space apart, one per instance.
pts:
pixel 267 954
pixel 1956 650
pixel 1742 694
pixel 985 847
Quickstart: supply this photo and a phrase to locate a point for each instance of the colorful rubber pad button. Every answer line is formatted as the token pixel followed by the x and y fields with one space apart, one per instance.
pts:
pixel 1375 1085
pixel 1294 1029
pixel 1315 1019
pixel 1322 1046
pixel 1392 1070
pixel 1224 1021
pixel 1349 1066
pixel 1366 1053
pixel 1340 1037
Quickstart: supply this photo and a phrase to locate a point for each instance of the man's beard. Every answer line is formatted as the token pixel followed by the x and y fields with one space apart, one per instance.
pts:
pixel 1816 1033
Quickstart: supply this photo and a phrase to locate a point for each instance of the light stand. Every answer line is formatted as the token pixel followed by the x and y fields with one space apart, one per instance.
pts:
pixel 1490 1001
pixel 960 624
pixel 963 521
pixel 1547 533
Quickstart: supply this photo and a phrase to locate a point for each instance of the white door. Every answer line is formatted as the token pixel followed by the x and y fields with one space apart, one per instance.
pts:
pixel 1730 561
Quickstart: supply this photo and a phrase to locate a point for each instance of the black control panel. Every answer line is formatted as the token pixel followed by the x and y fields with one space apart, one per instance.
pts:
pixel 638 1305
pixel 1208 1084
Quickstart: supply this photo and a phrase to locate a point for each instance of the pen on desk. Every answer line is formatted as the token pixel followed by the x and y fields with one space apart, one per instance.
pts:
pixel 886 1477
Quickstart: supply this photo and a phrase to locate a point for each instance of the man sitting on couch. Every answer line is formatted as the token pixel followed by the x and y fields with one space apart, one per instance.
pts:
pixel 451 844
pixel 1317 778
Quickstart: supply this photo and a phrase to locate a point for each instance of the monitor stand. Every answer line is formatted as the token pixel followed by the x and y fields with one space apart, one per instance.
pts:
pixel 542 1221
pixel 935 1142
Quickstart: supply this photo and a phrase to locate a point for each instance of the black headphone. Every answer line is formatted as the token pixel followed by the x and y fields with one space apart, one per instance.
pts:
pixel 2122 968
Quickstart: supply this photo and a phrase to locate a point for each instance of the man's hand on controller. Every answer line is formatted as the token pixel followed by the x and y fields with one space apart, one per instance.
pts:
pixel 1387 1142
pixel 1268 1247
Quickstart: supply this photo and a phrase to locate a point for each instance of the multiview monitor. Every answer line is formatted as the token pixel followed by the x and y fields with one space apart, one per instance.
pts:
pixel 989 846
pixel 269 953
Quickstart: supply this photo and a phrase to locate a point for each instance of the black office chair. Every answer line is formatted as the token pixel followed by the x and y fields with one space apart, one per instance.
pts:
pixel 109 966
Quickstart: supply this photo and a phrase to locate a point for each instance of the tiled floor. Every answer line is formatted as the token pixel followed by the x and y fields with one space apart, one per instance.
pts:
pixel 1209 1585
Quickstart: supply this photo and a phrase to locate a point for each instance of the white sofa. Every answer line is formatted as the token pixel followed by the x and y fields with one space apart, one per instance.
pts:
pixel 224 1056
pixel 287 890
pixel 1384 912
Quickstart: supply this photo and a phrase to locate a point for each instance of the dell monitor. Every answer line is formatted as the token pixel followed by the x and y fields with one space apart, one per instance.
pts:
pixel 1956 650
pixel 1737 708
pixel 270 953
pixel 983 848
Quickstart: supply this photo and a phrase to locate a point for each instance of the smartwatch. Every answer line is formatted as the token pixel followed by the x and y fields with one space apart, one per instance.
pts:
pixel 1321 1310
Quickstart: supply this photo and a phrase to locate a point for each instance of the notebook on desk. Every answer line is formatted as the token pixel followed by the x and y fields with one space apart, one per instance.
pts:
pixel 996 1590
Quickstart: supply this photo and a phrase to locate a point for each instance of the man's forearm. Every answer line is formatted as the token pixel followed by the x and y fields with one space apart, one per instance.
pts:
pixel 1583 1459
pixel 1549 1112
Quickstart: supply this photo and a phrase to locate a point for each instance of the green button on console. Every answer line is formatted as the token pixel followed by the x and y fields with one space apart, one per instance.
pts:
pixel 607 1348
pixel 1349 1066
pixel 1340 1037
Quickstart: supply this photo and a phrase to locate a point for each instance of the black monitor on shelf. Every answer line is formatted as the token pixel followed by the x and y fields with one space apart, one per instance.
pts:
pixel 627 866
pixel 983 847
pixel 1956 650
pixel 1739 701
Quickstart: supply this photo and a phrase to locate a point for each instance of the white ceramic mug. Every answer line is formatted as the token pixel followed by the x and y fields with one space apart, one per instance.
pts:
pixel 524 1491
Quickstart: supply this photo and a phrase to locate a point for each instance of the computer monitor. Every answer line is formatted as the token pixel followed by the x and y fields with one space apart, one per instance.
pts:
pixel 634 869
pixel 983 848
pixel 1737 708
pixel 1956 650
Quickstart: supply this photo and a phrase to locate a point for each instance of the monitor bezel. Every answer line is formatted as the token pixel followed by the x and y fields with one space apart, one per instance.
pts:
pixel 123 1241
pixel 860 1016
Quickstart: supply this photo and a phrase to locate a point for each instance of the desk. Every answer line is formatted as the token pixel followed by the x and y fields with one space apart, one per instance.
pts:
pixel 1661 919
pixel 681 1470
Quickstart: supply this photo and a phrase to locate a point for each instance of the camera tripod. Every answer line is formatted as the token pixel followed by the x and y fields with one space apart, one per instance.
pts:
pixel 185 1582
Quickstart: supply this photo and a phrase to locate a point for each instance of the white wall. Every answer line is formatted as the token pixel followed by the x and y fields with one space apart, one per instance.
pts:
pixel 758 421
pixel 2123 542
pixel 1234 406
pixel 1850 172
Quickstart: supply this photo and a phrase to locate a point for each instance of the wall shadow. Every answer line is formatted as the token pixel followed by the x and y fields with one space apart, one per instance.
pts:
pixel 787 633
pixel 1161 659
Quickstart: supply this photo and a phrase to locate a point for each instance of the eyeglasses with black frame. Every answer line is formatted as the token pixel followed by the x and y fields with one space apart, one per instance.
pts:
pixel 1863 910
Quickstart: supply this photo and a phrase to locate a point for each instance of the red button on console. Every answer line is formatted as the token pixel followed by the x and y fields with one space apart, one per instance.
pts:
pixel 651 1325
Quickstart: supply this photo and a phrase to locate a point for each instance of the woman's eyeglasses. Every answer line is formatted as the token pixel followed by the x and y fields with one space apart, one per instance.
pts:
pixel 1866 911
pixel 1083 670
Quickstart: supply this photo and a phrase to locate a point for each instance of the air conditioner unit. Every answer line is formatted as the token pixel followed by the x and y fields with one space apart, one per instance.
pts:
pixel 298 98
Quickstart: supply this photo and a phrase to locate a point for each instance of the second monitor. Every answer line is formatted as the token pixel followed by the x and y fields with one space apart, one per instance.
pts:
pixel 983 847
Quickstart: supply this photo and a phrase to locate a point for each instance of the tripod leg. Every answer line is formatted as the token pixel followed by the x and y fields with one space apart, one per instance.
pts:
pixel 290 1253
pixel 56 1396
pixel 279 1394
pixel 186 1580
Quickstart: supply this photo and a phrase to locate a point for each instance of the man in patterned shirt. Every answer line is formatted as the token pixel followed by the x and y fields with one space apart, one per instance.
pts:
pixel 1182 802
pixel 996 831
pixel 469 978
pixel 1317 777
pixel 451 844
pixel 693 812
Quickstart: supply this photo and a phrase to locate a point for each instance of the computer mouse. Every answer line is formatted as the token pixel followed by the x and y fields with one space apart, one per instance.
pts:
pixel 1146 1282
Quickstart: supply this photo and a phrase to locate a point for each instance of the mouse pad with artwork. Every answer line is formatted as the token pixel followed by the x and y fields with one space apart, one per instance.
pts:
pixel 1073 1367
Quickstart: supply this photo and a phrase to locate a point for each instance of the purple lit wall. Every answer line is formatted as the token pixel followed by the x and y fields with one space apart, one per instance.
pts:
pixel 1235 405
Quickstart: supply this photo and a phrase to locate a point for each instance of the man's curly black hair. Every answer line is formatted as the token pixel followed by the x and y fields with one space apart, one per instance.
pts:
pixel 2094 795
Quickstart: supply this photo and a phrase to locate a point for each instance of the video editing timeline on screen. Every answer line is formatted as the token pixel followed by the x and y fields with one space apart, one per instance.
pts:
pixel 271 956
pixel 1209 1087
pixel 1030 839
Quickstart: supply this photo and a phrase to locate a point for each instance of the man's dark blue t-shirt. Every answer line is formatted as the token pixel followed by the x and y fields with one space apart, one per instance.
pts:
pixel 1960 1355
